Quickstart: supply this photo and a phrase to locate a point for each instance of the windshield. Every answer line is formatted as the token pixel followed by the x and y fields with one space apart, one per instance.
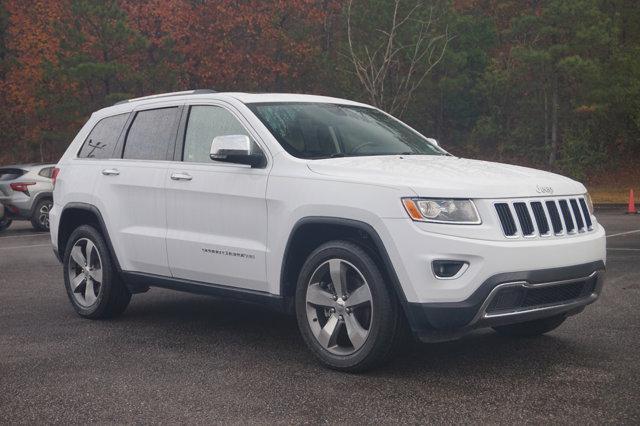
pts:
pixel 322 130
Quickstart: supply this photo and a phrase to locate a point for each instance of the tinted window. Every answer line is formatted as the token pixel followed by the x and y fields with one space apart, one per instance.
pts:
pixel 320 130
pixel 10 174
pixel 103 138
pixel 151 134
pixel 204 124
pixel 46 172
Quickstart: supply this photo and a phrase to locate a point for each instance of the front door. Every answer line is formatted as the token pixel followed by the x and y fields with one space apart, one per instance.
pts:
pixel 216 212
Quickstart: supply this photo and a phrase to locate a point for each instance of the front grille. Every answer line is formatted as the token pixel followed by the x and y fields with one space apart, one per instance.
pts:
pixel 560 216
pixel 566 215
pixel 506 219
pixel 524 218
pixel 577 213
pixel 552 207
pixel 555 294
pixel 585 212
pixel 541 218
pixel 515 298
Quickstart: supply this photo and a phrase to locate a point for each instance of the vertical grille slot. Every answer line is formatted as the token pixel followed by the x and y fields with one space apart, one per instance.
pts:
pixel 576 213
pixel 524 218
pixel 566 214
pixel 587 215
pixel 506 219
pixel 555 217
pixel 541 218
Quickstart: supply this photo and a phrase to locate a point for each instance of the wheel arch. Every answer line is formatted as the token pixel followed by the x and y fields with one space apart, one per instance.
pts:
pixel 74 215
pixel 39 197
pixel 309 232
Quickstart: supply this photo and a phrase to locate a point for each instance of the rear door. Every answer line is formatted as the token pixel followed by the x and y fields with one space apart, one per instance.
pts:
pixel 216 212
pixel 130 191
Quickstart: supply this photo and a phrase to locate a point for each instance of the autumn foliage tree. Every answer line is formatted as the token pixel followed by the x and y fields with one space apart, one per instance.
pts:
pixel 546 83
pixel 71 57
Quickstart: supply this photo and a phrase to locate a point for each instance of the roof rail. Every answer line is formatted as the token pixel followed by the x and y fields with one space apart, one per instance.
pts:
pixel 166 95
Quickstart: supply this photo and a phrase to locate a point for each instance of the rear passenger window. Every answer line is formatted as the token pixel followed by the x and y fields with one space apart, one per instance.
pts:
pixel 205 123
pixel 103 138
pixel 151 134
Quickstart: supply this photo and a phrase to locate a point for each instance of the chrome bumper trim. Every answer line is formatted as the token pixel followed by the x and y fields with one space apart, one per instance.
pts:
pixel 483 318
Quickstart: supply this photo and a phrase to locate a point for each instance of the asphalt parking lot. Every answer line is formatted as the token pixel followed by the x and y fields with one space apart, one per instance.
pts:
pixel 175 357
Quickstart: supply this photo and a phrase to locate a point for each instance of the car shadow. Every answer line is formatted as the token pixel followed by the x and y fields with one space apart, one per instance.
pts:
pixel 195 322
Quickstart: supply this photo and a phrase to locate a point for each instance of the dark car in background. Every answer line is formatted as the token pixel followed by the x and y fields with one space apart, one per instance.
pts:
pixel 26 193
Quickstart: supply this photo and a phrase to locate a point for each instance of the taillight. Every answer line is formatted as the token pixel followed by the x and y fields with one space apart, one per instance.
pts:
pixel 21 186
pixel 54 175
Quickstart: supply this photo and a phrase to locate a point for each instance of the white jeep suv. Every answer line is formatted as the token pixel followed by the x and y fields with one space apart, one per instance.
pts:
pixel 326 208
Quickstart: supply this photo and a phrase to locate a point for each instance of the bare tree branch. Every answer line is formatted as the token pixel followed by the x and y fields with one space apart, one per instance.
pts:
pixel 389 70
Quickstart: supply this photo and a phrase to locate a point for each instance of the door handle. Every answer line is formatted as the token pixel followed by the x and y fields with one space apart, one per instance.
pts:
pixel 181 176
pixel 111 172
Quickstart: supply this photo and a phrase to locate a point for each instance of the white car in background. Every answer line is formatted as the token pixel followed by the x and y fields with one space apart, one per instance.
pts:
pixel 326 208
pixel 26 193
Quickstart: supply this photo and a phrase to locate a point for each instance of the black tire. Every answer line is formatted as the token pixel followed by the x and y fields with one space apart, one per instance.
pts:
pixel 5 223
pixel 385 315
pixel 40 216
pixel 531 328
pixel 113 296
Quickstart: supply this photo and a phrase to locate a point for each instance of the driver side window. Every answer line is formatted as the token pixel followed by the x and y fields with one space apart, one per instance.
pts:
pixel 205 122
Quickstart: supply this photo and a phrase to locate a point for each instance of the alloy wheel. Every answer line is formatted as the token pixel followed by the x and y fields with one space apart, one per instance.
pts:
pixel 85 272
pixel 43 215
pixel 339 307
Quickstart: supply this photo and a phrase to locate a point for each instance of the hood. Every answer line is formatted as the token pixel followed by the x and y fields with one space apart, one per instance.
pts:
pixel 446 176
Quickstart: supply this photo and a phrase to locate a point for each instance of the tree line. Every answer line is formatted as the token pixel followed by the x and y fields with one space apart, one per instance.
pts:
pixel 547 83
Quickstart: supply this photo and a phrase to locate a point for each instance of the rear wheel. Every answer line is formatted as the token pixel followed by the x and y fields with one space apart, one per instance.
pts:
pixel 93 285
pixel 40 218
pixel 531 328
pixel 347 315
pixel 5 222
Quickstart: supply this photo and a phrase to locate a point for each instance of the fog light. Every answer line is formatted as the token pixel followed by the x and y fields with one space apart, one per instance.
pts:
pixel 448 268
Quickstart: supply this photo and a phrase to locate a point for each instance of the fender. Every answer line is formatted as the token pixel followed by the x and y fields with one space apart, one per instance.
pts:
pixel 361 226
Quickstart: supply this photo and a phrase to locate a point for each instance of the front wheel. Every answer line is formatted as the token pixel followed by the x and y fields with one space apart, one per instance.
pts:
pixel 347 314
pixel 531 328
pixel 93 285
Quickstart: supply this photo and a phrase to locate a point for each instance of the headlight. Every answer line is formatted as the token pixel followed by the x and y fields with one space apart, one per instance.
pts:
pixel 442 210
pixel 589 201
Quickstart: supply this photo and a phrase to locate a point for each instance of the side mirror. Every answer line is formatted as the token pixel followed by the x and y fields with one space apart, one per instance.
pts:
pixel 235 149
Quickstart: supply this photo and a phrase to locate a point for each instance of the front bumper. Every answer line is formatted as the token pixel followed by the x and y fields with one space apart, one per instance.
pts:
pixel 412 250
pixel 441 309
pixel 530 295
